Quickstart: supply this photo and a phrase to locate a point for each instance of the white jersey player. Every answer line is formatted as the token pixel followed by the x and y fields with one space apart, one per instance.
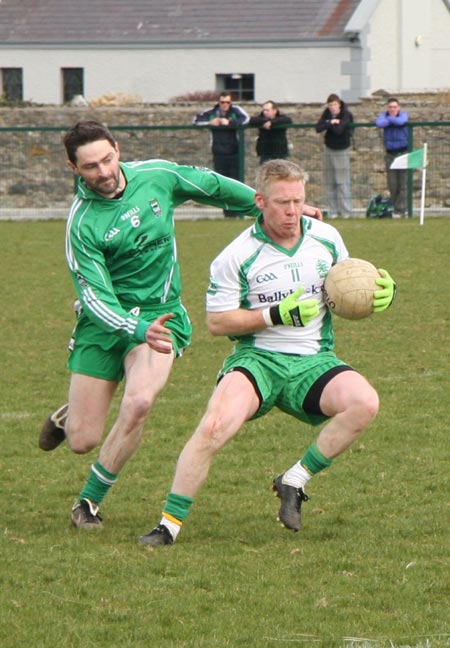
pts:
pixel 266 294
pixel 253 273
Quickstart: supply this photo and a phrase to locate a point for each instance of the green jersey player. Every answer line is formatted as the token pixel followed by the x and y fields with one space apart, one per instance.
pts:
pixel 122 258
pixel 266 293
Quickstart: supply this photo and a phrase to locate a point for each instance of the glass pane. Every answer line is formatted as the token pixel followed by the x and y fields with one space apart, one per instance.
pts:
pixel 12 79
pixel 72 83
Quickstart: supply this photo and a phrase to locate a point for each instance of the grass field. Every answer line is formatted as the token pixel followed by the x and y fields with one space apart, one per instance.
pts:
pixel 371 566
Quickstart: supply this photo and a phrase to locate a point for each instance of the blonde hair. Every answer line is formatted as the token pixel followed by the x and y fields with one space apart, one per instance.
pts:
pixel 277 170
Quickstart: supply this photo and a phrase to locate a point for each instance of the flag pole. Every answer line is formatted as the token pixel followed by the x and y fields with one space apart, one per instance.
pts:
pixel 422 197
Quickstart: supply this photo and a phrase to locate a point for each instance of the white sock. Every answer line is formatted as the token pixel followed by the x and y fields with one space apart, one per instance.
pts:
pixel 172 526
pixel 296 476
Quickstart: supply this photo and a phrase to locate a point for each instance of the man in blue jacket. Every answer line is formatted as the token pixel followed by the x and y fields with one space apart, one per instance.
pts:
pixel 395 136
pixel 223 119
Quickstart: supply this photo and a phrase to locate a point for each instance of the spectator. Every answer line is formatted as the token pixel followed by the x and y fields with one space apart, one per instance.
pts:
pixel 394 123
pixel 336 120
pixel 272 143
pixel 223 119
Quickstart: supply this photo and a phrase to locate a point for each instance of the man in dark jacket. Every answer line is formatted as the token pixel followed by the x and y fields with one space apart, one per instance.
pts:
pixel 223 119
pixel 336 121
pixel 272 142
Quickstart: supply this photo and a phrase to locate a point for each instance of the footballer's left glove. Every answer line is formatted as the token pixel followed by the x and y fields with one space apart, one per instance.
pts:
pixel 382 299
pixel 291 311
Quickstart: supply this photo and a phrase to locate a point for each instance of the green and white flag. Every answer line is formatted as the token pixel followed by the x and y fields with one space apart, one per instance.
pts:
pixel 413 160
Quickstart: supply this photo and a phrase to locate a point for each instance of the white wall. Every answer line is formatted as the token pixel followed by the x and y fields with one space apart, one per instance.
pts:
pixel 382 40
pixel 285 75
pixel 415 20
pixel 409 43
pixel 438 39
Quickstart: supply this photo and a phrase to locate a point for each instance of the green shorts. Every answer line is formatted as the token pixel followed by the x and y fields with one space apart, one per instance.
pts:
pixel 101 354
pixel 290 382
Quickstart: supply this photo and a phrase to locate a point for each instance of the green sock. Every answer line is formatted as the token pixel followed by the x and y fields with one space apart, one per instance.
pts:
pixel 98 483
pixel 314 461
pixel 178 506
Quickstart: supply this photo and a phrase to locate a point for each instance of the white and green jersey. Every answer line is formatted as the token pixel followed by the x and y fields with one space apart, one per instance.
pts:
pixel 122 253
pixel 254 272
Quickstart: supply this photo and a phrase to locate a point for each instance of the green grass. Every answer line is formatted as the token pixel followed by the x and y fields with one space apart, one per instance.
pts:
pixel 370 568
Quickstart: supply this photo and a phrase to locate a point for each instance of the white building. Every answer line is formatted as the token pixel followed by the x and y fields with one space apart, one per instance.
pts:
pixel 288 50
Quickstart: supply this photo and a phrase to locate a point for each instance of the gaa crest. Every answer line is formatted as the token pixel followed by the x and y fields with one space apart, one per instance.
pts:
pixel 322 268
pixel 155 207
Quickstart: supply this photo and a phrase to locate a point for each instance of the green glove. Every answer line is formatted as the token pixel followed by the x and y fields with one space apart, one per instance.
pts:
pixel 293 312
pixel 382 299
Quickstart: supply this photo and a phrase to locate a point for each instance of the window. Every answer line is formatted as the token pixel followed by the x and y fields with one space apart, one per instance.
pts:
pixel 241 86
pixel 73 83
pixel 12 84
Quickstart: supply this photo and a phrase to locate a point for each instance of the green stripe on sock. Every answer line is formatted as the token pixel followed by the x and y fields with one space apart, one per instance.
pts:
pixel 314 461
pixel 178 506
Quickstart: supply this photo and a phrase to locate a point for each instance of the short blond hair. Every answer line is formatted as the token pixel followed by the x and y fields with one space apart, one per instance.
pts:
pixel 277 170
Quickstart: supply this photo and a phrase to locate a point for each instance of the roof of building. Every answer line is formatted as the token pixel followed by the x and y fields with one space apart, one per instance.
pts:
pixel 171 23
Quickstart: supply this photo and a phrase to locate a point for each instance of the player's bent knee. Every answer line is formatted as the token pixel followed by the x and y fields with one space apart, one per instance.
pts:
pixel 81 439
pixel 369 405
pixel 373 404
pixel 81 445
pixel 212 433
pixel 136 408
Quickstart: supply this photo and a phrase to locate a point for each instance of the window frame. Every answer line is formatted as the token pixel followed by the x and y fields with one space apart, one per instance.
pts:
pixel 72 79
pixel 240 85
pixel 12 84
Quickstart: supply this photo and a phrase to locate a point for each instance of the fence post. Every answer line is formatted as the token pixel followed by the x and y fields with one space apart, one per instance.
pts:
pixel 409 184
pixel 241 152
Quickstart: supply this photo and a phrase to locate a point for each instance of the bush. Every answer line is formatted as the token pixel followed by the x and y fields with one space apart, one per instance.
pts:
pixel 198 95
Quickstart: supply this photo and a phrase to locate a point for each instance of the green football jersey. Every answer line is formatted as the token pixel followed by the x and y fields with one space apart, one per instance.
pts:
pixel 122 253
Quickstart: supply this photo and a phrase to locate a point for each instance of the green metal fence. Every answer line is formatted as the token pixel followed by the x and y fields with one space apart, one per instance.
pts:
pixel 35 180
